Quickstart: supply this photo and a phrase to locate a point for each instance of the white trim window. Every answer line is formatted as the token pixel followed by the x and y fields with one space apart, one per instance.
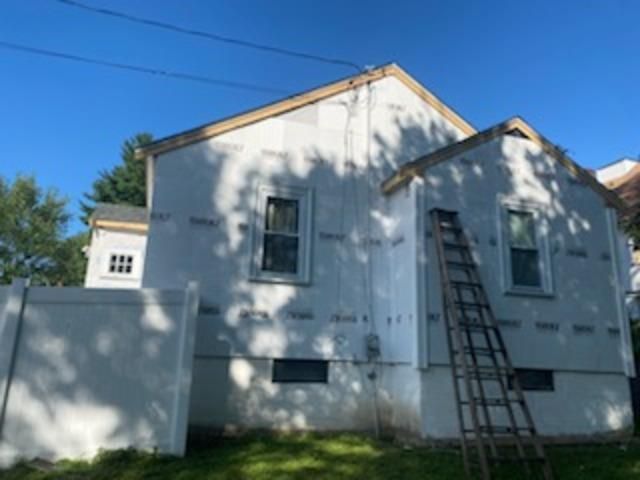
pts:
pixel 282 235
pixel 526 266
pixel 122 264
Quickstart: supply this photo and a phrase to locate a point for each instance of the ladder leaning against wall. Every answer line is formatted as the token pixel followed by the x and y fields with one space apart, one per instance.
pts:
pixel 496 427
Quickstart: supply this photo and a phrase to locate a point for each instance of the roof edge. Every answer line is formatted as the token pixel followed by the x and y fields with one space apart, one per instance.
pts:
pixel 415 168
pixel 121 225
pixel 298 100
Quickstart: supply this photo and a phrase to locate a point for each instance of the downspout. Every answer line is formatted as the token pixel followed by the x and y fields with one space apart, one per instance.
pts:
pixel 150 166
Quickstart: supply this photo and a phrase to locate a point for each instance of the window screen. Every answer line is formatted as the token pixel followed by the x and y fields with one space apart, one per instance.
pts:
pixel 523 247
pixel 302 371
pixel 281 236
pixel 531 379
pixel 121 264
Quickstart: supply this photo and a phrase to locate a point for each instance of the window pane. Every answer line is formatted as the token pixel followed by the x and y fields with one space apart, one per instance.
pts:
pixel 282 215
pixel 280 253
pixel 531 379
pixel 300 371
pixel 525 268
pixel 522 232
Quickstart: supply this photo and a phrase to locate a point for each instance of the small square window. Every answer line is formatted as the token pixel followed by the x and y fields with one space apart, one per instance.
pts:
pixel 300 371
pixel 534 380
pixel 120 264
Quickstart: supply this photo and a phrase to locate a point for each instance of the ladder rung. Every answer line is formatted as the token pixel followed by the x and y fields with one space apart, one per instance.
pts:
pixel 475 326
pixel 471 305
pixel 454 246
pixel 450 226
pixel 481 351
pixel 460 265
pixel 460 283
pixel 489 402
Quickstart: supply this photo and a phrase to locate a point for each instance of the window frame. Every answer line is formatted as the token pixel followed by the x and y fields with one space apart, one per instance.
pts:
pixel 304 197
pixel 135 264
pixel 279 376
pixel 541 229
pixel 521 374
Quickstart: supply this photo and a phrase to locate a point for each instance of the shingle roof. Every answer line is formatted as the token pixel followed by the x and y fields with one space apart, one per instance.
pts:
pixel 119 213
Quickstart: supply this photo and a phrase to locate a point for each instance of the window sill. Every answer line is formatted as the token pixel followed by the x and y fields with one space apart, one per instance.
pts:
pixel 528 292
pixel 301 282
pixel 115 276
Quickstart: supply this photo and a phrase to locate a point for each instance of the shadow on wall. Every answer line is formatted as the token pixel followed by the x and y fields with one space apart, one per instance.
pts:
pixel 202 229
pixel 95 369
pixel 207 226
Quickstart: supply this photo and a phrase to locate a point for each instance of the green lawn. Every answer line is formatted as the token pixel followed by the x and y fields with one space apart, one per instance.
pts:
pixel 316 457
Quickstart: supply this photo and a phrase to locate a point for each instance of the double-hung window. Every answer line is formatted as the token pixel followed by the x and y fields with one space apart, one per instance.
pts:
pixel 526 255
pixel 282 230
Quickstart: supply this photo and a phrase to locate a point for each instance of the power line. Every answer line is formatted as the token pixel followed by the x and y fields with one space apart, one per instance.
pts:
pixel 208 35
pixel 135 68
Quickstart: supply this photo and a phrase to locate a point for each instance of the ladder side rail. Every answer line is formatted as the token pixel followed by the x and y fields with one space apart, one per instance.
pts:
pixel 538 447
pixel 451 312
pixel 481 393
pixel 480 296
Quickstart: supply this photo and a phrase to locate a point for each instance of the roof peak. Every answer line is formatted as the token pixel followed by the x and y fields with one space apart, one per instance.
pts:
pixel 301 99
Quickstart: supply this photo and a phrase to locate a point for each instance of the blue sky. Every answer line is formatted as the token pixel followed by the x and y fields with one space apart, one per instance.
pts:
pixel 571 68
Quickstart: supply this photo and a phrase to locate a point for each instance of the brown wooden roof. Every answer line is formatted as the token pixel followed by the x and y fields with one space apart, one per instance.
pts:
pixel 416 168
pixel 299 100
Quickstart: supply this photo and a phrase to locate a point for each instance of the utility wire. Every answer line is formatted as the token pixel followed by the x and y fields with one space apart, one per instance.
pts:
pixel 135 68
pixel 208 35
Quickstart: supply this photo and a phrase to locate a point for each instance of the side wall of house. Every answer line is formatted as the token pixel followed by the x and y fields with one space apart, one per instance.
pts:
pixel 202 221
pixel 576 331
pixel 106 242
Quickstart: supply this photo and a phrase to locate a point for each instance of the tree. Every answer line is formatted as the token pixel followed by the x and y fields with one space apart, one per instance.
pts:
pixel 33 225
pixel 124 184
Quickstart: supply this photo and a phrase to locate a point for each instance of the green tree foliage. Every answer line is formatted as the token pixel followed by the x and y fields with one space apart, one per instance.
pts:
pixel 124 184
pixel 33 224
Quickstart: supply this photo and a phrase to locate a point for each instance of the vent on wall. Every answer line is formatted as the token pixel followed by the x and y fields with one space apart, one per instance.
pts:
pixel 300 371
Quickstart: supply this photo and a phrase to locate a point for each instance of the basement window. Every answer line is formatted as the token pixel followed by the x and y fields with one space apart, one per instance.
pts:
pixel 534 380
pixel 300 371
pixel 282 231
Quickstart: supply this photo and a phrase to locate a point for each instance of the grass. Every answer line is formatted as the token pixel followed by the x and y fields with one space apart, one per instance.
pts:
pixel 316 457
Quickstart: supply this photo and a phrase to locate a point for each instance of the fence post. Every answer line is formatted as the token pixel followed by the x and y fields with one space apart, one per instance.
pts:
pixel 10 324
pixel 185 367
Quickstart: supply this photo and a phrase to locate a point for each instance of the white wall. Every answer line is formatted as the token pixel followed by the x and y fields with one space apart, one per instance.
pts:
pixel 615 170
pixel 325 146
pixel 577 331
pixel 94 368
pixel 583 405
pixel 105 242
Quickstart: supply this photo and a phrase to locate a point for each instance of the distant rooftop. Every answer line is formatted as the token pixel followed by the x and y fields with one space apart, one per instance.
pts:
pixel 119 213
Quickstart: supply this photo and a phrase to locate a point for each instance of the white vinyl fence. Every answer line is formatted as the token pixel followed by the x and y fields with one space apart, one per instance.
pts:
pixel 89 369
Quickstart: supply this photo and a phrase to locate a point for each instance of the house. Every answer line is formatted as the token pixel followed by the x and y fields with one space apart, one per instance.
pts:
pixel 306 224
pixel 613 173
pixel 116 252
pixel 623 177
